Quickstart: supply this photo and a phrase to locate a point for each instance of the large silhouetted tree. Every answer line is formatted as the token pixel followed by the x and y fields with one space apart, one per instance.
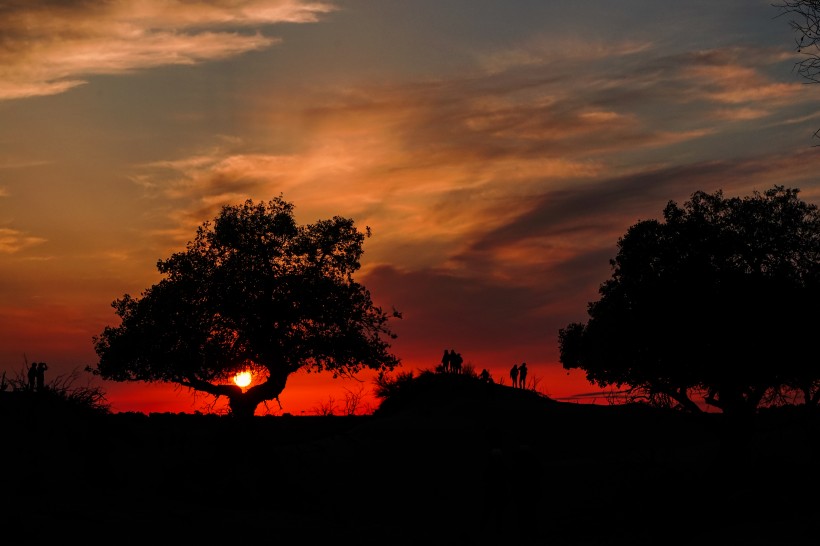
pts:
pixel 253 290
pixel 718 302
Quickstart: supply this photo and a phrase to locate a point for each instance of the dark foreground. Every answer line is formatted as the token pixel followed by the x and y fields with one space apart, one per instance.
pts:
pixel 488 465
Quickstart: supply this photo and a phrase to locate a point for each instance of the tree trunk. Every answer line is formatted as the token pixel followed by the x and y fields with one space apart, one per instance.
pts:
pixel 243 404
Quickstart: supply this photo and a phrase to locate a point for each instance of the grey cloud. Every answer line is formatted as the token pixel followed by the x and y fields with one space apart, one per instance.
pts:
pixel 565 110
pixel 600 213
pixel 481 315
pixel 613 204
pixel 445 310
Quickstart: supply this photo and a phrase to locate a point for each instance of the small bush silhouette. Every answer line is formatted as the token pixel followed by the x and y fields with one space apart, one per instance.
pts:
pixel 387 386
pixel 62 391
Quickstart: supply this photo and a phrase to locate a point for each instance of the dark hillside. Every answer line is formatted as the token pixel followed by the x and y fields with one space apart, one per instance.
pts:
pixel 450 461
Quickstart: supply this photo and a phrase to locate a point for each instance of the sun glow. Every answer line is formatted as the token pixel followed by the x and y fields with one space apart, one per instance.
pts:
pixel 242 379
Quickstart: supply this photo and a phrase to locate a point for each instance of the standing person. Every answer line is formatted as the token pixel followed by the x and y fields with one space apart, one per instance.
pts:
pixel 41 376
pixel 32 376
pixel 445 361
pixel 514 375
pixel 522 375
pixel 455 361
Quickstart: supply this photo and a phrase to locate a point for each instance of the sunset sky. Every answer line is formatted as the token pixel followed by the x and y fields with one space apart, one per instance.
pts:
pixel 497 149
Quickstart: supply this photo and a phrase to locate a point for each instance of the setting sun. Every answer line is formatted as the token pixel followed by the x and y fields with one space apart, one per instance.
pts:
pixel 242 379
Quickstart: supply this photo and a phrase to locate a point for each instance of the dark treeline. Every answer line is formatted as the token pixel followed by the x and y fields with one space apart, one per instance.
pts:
pixel 445 459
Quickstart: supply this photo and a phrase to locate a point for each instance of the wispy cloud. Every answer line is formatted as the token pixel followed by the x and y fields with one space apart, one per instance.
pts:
pixel 487 174
pixel 13 241
pixel 564 223
pixel 9 163
pixel 543 50
pixel 50 46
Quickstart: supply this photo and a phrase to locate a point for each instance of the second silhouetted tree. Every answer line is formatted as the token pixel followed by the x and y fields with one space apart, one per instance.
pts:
pixel 716 303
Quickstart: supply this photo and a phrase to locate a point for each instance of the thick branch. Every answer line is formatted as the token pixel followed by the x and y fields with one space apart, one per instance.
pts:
pixel 210 388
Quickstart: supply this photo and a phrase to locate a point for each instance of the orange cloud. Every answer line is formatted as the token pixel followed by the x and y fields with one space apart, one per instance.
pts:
pixel 540 51
pixel 437 166
pixel 48 48
pixel 13 241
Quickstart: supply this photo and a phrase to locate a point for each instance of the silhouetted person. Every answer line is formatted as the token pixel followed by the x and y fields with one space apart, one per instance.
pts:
pixel 456 361
pixel 522 375
pixel 514 375
pixel 41 376
pixel 485 376
pixel 446 359
pixel 32 376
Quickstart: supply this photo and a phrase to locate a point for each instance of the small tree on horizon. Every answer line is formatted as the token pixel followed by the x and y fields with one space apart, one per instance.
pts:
pixel 253 291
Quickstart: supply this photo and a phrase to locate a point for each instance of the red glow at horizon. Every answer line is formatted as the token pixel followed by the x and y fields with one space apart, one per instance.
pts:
pixel 315 393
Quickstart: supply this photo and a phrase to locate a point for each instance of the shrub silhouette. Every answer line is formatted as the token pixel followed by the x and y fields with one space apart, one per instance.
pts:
pixel 61 394
pixel 438 392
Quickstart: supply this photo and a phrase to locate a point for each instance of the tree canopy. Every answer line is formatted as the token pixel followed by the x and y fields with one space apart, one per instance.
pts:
pixel 714 304
pixel 253 291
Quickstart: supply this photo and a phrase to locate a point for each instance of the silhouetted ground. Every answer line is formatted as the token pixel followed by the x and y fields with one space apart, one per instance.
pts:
pixel 452 462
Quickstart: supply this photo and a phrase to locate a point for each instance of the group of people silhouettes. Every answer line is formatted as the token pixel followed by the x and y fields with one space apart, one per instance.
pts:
pixel 37 376
pixel 518 374
pixel 451 361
